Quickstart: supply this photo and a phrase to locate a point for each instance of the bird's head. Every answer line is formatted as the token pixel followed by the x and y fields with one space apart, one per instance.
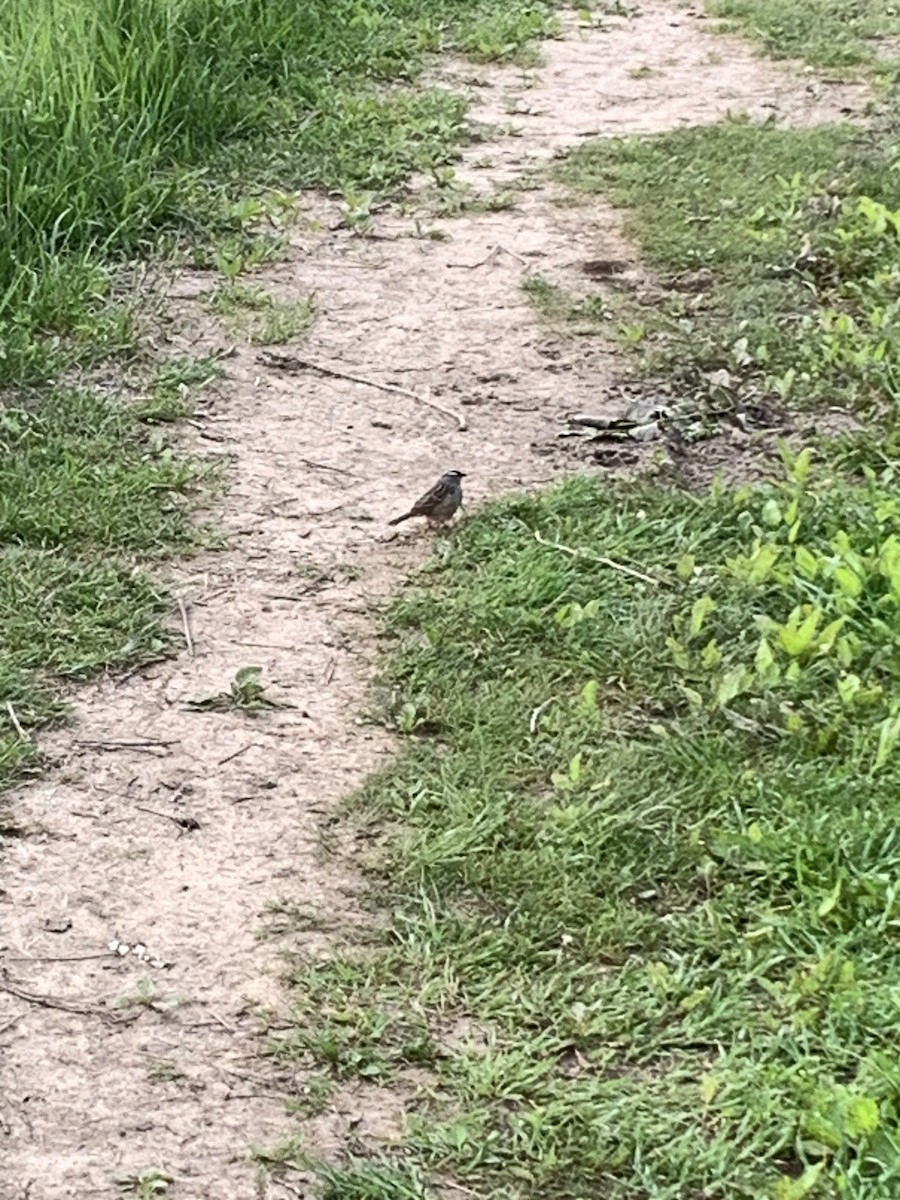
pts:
pixel 453 476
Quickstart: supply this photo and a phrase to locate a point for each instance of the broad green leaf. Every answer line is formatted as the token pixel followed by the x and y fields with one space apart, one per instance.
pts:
pixel 845 652
pixel 694 699
pixel 765 664
pixel 589 695
pixel 848 581
pixel 771 514
pixel 848 688
pixel 797 636
pixel 679 654
pixel 889 563
pixel 700 611
pixel 712 655
pixel 828 636
pixel 807 562
pixel 762 562
pixel 888 733
pixel 685 567
pixel 695 999
pixel 830 902
pixel 732 683
pixel 802 464
pixel 789 1188
pixel 575 768
pixel 709 1086
pixel 861 1117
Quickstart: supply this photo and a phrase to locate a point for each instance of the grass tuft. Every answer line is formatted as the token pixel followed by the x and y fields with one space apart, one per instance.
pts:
pixel 802 257
pixel 88 491
pixel 826 33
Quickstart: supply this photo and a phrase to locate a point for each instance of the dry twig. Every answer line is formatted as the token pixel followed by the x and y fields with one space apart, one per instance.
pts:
pixel 23 736
pixel 601 559
pixel 87 1010
pixel 236 754
pixel 289 362
pixel 183 823
pixel 186 626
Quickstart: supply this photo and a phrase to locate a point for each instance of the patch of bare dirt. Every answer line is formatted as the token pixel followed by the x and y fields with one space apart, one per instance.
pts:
pixel 165 833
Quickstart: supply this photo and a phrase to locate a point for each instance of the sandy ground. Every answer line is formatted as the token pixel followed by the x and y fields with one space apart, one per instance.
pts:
pixel 113 1063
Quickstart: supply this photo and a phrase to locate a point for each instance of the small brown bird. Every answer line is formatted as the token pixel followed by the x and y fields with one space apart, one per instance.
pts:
pixel 440 503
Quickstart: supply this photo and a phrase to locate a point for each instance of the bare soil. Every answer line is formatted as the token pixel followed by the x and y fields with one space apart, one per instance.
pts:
pixel 115 1062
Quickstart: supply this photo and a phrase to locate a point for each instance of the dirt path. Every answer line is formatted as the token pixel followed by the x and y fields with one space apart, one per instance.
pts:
pixel 161 1070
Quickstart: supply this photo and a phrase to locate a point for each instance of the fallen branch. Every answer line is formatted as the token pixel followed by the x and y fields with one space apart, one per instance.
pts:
pixel 289 362
pixel 601 559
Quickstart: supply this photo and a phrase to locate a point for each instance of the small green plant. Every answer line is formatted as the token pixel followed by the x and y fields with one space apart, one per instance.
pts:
pixel 827 33
pixel 170 389
pixel 145 995
pixel 581 314
pixel 314 1097
pixel 508 34
pixel 247 693
pixel 161 1070
pixel 148 1184
pixel 263 319
pixel 802 261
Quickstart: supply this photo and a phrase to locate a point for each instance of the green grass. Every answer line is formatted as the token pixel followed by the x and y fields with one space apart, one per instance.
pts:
pixel 259 316
pixel 558 307
pixel 638 857
pixel 89 491
pixel 803 251
pixel 826 33
pixel 122 120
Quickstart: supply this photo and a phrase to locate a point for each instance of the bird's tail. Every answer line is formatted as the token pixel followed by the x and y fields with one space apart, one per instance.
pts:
pixel 397 520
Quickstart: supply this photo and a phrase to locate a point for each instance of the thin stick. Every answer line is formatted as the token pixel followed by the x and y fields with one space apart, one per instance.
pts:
pixel 157 749
pixel 287 362
pixel 23 736
pixel 320 466
pixel 186 626
pixel 143 744
pixel 221 1021
pixel 601 559
pixel 236 754
pixel 182 822
pixel 57 958
pixel 87 1010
